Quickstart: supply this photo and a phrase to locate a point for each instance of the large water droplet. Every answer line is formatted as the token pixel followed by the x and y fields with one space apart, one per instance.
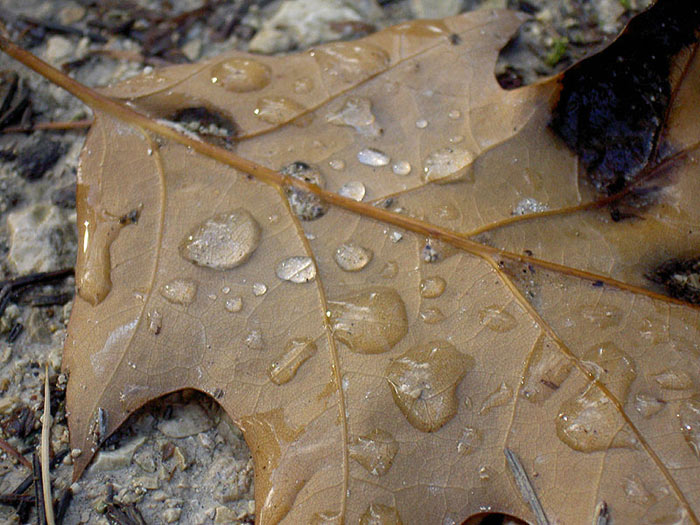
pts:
pixel 380 514
pixel 240 75
pixel 431 315
pixel 298 269
pixel 277 110
pixel 375 451
pixel 371 321
pixel 356 113
pixel 648 405
pixel 432 287
pixel 283 369
pixel 351 61
pixel 497 398
pixel 354 190
pixel 601 315
pixel 402 168
pixel 494 318
pixel 689 419
pixel 373 157
pixel 155 322
pixel 424 381
pixel 448 164
pixel 547 369
pixel 179 291
pixel 305 204
pixel 352 257
pixel 674 379
pixel 469 441
pixel 223 241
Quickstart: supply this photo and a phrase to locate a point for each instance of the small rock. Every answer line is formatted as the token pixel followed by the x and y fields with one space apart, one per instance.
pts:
pixel 435 8
pixel 34 232
pixel 116 459
pixel 192 49
pixel 171 515
pixel 187 420
pixel 39 157
pixel 58 49
pixel 71 14
pixel 225 515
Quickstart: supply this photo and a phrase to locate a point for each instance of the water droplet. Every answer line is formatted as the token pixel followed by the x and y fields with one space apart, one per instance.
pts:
pixel 371 321
pixel 424 381
pixel 155 321
pixel 305 204
pixel 547 369
pixel 484 473
pixel 529 205
pixel 325 518
pixel 494 318
pixel 254 340
pixel 456 139
pixel 648 405
pixel 497 398
pixel 636 492
pixel 352 257
pixel 277 110
pixel 223 241
pixel 179 291
pixel 354 190
pixel 298 269
pixel 375 451
pixel 454 114
pixel 297 351
pixel 226 290
pixel 402 168
pixel 432 287
pixel 422 123
pixel 395 236
pixel 389 270
pixel 448 164
pixel 689 418
pixel 373 157
pixel 240 75
pixel 356 113
pixel 380 514
pixel 350 61
pixel 674 379
pixel 234 305
pixel 259 289
pixel 431 315
pixel 303 85
pixel 337 164
pixel 469 441
pixel 601 315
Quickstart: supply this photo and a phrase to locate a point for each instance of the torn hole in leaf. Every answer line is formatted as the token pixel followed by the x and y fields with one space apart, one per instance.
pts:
pixel 493 518
pixel 209 125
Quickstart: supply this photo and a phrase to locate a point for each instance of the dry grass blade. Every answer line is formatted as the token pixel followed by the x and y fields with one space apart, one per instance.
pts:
pixel 45 445
pixel 525 486
pixel 12 451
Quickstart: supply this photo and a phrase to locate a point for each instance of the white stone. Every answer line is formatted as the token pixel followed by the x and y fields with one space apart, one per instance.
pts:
pixel 31 229
pixel 58 49
pixel 116 459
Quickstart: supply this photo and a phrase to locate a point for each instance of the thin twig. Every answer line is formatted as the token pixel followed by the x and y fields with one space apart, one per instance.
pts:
pixel 10 286
pixel 12 451
pixel 45 443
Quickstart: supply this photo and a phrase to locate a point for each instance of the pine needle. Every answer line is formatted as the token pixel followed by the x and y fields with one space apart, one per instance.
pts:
pixel 45 439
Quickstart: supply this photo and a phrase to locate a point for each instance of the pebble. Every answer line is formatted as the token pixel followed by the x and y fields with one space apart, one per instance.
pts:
pixel 71 14
pixel 435 9
pixel 58 49
pixel 116 459
pixel 187 420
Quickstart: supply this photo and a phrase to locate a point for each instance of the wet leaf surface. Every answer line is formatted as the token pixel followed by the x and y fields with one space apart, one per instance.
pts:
pixel 380 356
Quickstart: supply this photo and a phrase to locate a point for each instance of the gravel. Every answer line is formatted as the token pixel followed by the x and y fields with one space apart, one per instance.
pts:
pixel 179 459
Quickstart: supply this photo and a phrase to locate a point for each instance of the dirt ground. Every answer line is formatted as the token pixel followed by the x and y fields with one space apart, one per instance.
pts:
pixel 179 459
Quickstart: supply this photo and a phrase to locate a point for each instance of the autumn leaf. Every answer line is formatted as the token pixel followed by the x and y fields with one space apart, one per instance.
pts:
pixel 402 282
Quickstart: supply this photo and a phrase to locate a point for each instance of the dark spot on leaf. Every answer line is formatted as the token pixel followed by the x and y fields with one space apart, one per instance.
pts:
pixel 680 277
pixel 213 127
pixel 306 205
pixel 455 39
pixel 613 105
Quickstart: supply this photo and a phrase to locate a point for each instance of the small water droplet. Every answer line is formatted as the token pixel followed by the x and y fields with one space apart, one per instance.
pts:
pixel 375 451
pixel 354 190
pixel 225 290
pixel 529 205
pixel 155 321
pixel 389 270
pixel 369 322
pixel 431 315
pixel 254 340
pixel 337 164
pixel 303 85
pixel 179 291
pixel 402 168
pixel 636 492
pixel 456 139
pixel 547 369
pixel 689 419
pixel 432 287
pixel 454 114
pixel 421 123
pixel 648 405
pixel 234 305
pixel 497 398
pixel 259 289
pixel 305 204
pixel 448 164
pixel 484 473
pixel 494 318
pixel 277 110
pixel 469 441
pixel 296 352
pixel 601 315
pixel 424 381
pixel 352 257
pixel 350 61
pixel 380 514
pixel 298 269
pixel 373 157
pixel 212 296
pixel 240 75
pixel 674 379
pixel 223 241
pixel 395 236
pixel 356 113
